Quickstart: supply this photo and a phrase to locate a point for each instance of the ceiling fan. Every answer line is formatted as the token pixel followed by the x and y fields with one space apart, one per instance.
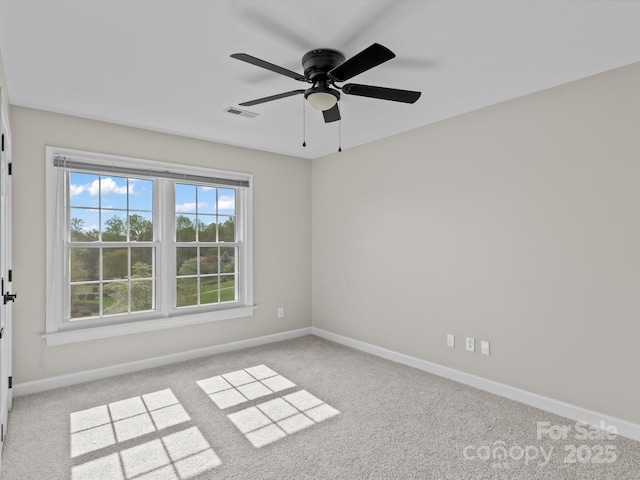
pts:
pixel 323 68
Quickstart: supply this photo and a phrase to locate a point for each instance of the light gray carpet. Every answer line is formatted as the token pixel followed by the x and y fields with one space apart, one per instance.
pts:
pixel 394 422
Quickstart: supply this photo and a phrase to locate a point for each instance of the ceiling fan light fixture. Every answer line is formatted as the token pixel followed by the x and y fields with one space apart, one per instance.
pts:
pixel 322 98
pixel 322 101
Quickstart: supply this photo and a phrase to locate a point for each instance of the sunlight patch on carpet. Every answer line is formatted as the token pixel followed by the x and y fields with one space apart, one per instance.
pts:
pixel 234 388
pixel 179 456
pixel 105 425
pixel 270 421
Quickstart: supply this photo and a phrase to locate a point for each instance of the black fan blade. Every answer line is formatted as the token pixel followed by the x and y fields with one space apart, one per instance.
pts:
pixel 383 93
pixel 363 61
pixel 332 115
pixel 269 66
pixel 272 97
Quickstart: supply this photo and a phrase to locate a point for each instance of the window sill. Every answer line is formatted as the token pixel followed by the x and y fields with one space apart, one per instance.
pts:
pixel 96 333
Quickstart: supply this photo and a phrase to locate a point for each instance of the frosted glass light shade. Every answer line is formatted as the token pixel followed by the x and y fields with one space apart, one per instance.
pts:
pixel 322 101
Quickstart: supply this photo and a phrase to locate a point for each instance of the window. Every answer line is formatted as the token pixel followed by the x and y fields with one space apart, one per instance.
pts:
pixel 110 246
pixel 134 245
pixel 206 247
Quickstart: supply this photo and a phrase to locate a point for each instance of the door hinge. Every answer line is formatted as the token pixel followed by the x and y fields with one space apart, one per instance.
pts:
pixel 2 434
pixel 10 275
pixel 10 382
pixel 3 142
pixel 10 167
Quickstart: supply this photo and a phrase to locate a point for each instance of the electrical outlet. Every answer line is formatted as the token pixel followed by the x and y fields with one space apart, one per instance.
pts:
pixel 280 312
pixel 471 344
pixel 484 347
pixel 451 340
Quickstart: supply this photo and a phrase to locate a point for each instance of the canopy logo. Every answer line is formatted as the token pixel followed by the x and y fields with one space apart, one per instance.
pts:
pixel 502 455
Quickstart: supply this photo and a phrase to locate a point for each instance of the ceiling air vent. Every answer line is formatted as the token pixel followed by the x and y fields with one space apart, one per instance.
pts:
pixel 240 112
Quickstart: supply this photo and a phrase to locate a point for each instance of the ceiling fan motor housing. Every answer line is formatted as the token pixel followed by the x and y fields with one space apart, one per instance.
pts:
pixel 319 62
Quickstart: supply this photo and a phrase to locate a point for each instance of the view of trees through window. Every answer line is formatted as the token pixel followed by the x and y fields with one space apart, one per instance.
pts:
pixel 112 247
pixel 206 265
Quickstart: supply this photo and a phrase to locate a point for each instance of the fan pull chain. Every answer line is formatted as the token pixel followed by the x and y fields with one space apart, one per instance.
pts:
pixel 304 122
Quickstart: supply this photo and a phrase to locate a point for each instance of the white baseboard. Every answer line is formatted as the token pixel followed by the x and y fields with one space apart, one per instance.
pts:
pixel 578 414
pixel 99 373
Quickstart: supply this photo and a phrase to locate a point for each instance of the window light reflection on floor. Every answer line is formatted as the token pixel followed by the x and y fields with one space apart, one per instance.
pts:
pixel 270 421
pixel 185 454
pixel 179 456
pixel 234 388
pixel 100 427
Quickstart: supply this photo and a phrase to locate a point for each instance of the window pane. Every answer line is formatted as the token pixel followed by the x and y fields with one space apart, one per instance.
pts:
pixel 85 301
pixel 140 194
pixel 84 264
pixel 142 262
pixel 186 292
pixel 185 228
pixel 208 260
pixel 226 201
pixel 209 289
pixel 226 229
pixel 113 192
pixel 228 260
pixel 115 263
pixel 114 226
pixel 141 295
pixel 206 200
pixel 227 288
pixel 207 228
pixel 185 198
pixel 83 190
pixel 187 261
pixel 83 226
pixel 116 298
pixel 140 227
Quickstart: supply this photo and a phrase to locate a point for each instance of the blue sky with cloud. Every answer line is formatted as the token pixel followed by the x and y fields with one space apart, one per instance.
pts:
pixel 89 192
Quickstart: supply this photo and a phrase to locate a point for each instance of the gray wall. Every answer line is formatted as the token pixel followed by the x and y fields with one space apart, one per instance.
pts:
pixel 282 229
pixel 518 224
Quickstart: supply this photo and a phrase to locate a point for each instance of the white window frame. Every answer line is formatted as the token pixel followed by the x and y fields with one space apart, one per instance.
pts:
pixel 59 331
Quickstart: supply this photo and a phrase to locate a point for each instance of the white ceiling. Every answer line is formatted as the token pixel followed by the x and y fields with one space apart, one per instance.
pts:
pixel 165 65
